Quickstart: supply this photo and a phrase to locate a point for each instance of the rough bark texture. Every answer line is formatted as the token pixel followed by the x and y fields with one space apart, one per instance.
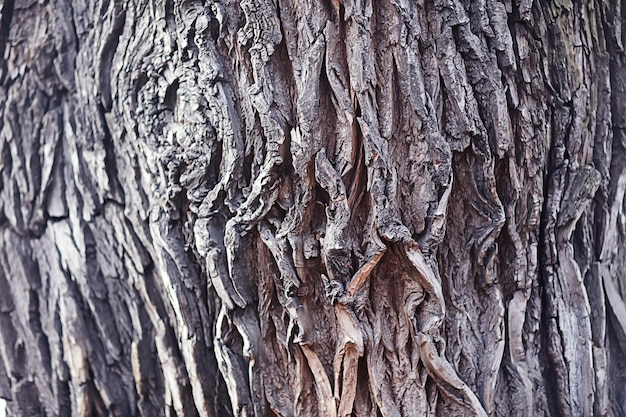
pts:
pixel 313 208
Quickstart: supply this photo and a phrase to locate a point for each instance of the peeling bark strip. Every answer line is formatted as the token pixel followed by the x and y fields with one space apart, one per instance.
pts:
pixel 323 208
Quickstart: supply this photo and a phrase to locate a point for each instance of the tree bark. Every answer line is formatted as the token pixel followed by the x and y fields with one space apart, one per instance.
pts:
pixel 321 208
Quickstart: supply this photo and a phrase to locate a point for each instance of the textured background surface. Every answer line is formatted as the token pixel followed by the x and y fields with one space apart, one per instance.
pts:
pixel 312 208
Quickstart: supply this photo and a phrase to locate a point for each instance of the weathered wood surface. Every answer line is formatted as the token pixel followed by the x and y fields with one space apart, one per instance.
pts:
pixel 319 208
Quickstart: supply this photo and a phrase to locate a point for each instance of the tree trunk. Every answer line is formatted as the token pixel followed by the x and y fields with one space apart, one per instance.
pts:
pixel 323 208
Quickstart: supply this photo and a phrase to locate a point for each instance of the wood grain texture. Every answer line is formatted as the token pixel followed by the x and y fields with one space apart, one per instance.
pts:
pixel 321 208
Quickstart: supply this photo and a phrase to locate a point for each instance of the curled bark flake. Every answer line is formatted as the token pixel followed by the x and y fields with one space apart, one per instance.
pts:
pixel 426 330
pixel 323 389
pixel 351 345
